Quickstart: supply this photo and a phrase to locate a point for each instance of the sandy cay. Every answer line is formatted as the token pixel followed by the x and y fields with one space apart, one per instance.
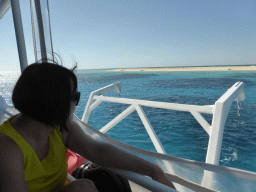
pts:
pixel 211 68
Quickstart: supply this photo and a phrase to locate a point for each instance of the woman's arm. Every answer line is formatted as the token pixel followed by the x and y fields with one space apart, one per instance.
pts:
pixel 112 157
pixel 109 156
pixel 12 177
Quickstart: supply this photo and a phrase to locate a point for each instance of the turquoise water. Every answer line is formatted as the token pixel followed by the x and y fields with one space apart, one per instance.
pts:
pixel 179 132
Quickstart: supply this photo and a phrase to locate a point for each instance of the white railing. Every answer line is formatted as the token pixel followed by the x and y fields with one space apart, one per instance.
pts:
pixel 215 131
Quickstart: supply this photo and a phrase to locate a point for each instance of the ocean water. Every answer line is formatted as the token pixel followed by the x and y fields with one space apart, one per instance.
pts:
pixel 180 134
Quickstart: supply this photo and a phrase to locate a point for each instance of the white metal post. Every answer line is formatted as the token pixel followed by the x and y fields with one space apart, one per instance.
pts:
pixel 221 110
pixel 216 134
pixel 19 34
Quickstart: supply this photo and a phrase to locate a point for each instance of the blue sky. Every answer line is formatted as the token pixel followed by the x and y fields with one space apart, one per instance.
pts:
pixel 141 33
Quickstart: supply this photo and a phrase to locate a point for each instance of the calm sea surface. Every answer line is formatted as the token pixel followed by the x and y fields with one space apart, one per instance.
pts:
pixel 179 132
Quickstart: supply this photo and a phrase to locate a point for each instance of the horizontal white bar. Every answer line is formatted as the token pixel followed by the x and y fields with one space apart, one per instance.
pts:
pixel 163 105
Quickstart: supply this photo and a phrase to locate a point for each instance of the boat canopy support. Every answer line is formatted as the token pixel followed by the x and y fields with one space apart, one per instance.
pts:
pixel 19 34
pixel 41 28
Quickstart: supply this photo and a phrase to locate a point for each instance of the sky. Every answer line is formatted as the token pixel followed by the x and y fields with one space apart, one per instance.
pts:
pixel 140 33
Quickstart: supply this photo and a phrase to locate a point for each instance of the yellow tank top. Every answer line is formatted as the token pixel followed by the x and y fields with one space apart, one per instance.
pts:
pixel 49 174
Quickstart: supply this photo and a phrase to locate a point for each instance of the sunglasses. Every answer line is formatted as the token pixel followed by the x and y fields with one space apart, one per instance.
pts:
pixel 75 97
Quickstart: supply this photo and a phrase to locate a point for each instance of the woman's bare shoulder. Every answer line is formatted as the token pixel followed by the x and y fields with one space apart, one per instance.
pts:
pixel 10 147
pixel 11 166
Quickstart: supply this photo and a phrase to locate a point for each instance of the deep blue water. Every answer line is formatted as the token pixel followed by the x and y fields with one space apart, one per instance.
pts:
pixel 180 134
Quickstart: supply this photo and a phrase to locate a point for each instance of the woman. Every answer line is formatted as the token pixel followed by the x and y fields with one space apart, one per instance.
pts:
pixel 33 143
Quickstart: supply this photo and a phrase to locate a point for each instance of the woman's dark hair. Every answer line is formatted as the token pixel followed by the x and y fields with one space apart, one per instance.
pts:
pixel 42 92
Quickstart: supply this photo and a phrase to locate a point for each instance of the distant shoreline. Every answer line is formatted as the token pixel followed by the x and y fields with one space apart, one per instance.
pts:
pixel 199 68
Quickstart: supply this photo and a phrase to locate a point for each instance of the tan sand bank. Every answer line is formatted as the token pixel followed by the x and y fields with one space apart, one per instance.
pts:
pixel 215 68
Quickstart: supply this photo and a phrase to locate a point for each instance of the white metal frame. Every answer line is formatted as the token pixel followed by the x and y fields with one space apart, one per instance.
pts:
pixel 215 131
pixel 219 111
